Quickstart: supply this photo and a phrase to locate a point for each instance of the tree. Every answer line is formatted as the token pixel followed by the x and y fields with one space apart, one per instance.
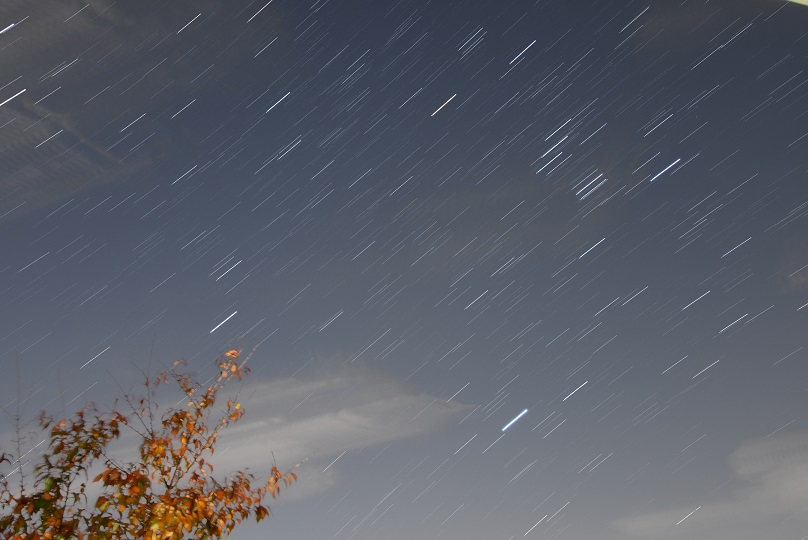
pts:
pixel 168 493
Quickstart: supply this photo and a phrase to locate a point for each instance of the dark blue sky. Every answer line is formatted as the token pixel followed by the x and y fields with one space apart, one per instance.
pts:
pixel 430 216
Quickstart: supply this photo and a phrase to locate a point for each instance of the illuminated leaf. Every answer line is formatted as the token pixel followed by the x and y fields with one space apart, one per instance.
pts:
pixel 167 493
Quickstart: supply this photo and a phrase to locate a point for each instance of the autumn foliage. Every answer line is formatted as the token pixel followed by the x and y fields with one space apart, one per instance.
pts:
pixel 169 492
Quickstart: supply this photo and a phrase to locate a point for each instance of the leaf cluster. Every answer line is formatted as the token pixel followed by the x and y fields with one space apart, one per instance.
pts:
pixel 169 492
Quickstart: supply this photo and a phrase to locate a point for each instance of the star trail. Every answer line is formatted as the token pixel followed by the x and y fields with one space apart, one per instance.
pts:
pixel 428 216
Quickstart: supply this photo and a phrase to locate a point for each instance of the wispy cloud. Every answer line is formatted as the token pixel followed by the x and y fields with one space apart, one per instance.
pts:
pixel 320 418
pixel 774 474
pixel 314 420
pixel 76 75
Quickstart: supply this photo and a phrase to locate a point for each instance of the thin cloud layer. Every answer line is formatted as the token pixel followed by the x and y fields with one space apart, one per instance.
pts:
pixel 86 91
pixel 317 419
pixel 774 476
pixel 312 421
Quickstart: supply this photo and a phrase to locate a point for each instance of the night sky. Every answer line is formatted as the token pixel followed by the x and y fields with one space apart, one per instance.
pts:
pixel 513 269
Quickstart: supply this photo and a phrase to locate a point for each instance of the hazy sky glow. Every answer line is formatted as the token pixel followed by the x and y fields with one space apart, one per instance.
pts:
pixel 514 270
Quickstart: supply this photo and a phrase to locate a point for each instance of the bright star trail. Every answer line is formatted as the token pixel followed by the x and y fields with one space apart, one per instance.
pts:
pixel 512 422
pixel 421 218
